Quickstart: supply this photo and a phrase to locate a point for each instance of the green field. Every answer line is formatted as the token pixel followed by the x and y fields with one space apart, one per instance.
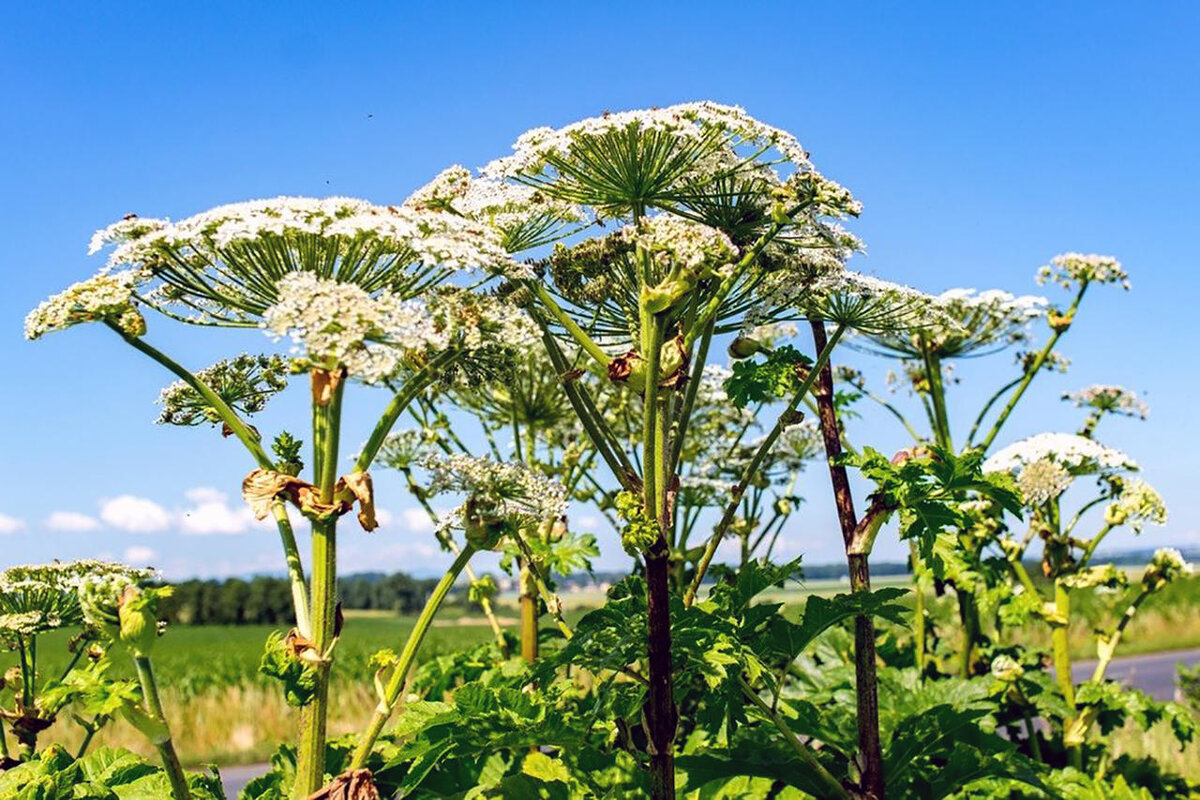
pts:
pixel 224 711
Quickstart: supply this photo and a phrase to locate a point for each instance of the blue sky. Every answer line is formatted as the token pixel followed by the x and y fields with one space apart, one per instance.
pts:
pixel 982 138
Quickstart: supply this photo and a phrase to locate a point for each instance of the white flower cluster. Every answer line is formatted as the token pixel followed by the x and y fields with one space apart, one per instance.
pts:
pixel 502 204
pixel 1042 481
pixel 1167 564
pixel 1136 503
pixel 508 489
pixel 336 323
pixel 696 121
pixel 973 321
pixel 1070 269
pixel 245 382
pixel 1077 453
pixel 677 243
pixel 1045 464
pixel 869 304
pixel 108 295
pixel 474 321
pixel 1109 399
pixel 43 597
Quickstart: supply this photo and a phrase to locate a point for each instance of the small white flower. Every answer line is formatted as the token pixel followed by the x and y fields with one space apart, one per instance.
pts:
pixel 108 295
pixel 1109 399
pixel 1070 269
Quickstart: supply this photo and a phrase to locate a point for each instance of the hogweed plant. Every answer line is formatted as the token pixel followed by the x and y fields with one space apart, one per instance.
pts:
pixel 365 293
pixel 639 314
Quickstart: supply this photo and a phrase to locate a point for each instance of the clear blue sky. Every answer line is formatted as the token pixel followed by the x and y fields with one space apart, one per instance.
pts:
pixel 982 139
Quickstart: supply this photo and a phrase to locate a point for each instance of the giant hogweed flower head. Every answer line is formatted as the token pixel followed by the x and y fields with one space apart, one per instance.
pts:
pixel 333 323
pixel 245 382
pixel 980 323
pixel 1109 400
pixel 1135 503
pixel 501 497
pixel 1045 465
pixel 223 266
pixel 1166 565
pixel 1077 269
pixel 109 296
pixel 523 216
pixel 866 304
pixel 660 157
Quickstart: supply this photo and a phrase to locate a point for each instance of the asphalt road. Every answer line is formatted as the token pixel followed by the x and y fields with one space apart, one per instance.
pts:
pixel 1153 674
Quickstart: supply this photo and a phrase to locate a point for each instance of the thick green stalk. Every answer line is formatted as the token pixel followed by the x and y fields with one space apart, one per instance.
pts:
pixel 529 612
pixel 310 768
pixel 166 750
pixel 714 541
pixel 407 657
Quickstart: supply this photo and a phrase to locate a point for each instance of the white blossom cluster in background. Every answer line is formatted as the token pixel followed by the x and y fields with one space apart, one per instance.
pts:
pixel 43 597
pixel 1045 464
pixel 673 241
pixel 1135 504
pixel 1070 269
pixel 866 303
pixel 1053 362
pixel 1077 453
pixel 339 323
pixel 473 321
pixel 1167 564
pixel 509 489
pixel 104 296
pixel 1109 399
pixel 245 382
pixel 501 204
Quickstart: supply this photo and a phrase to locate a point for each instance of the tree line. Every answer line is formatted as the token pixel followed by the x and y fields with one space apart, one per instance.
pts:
pixel 266 600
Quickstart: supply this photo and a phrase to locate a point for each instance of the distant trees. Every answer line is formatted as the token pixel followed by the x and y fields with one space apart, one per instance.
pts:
pixel 265 600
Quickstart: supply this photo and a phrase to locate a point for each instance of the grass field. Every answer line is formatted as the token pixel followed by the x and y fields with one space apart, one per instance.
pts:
pixel 224 711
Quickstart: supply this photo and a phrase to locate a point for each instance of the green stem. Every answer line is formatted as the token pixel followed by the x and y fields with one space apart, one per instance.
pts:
pixel 1033 370
pixel 239 429
pixel 250 441
pixel 310 769
pixel 988 407
pixel 295 568
pixel 577 333
pixel 823 775
pixel 166 750
pixel 1061 644
pixel 407 656
pixel 748 474
pixel 937 395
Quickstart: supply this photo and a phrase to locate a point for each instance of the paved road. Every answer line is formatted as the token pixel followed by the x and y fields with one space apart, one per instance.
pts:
pixel 1153 674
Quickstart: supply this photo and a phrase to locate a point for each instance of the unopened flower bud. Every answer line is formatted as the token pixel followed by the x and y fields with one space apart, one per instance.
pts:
pixel 744 347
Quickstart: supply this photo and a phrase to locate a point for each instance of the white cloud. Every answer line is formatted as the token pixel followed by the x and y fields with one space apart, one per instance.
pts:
pixel 212 514
pixel 384 517
pixel 135 514
pixel 417 520
pixel 139 555
pixel 205 494
pixel 71 521
pixel 11 524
